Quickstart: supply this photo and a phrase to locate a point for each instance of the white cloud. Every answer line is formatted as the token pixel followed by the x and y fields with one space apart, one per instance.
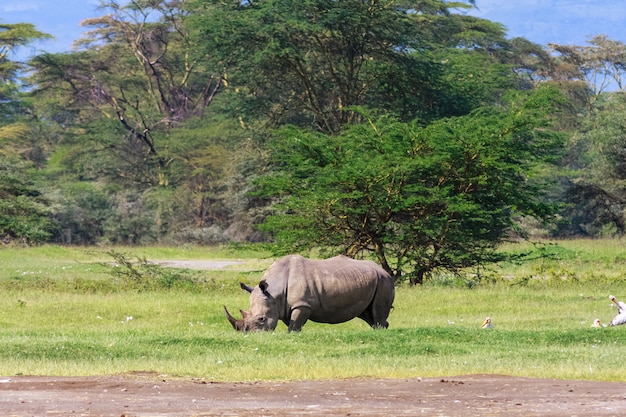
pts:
pixel 18 6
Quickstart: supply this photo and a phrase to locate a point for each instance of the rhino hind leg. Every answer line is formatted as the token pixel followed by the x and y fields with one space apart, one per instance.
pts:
pixel 377 312
pixel 367 317
pixel 374 322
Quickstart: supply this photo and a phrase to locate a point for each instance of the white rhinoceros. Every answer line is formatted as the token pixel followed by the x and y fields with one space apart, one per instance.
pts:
pixel 295 289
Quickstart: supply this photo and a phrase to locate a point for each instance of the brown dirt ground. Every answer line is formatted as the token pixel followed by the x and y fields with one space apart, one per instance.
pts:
pixel 153 395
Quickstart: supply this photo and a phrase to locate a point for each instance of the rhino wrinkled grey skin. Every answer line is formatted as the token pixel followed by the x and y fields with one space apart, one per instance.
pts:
pixel 295 289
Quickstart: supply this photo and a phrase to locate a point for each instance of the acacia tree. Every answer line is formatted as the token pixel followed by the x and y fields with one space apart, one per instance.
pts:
pixel 136 67
pixel 13 37
pixel 23 213
pixel 419 198
pixel 593 187
pixel 601 65
pixel 124 103
pixel 596 189
pixel 308 62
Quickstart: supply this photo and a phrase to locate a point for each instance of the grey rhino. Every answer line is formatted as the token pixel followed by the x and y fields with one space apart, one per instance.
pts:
pixel 295 289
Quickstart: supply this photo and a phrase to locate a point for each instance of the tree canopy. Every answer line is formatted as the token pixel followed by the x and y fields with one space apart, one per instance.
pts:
pixel 407 131
pixel 441 196
pixel 308 63
pixel 136 69
pixel 23 215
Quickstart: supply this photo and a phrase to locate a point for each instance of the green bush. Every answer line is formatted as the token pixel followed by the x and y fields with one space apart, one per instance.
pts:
pixel 23 212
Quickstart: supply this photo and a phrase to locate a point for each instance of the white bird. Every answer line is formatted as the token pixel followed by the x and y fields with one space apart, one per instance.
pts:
pixel 621 306
pixel 621 312
pixel 596 323
pixel 619 319
pixel 487 324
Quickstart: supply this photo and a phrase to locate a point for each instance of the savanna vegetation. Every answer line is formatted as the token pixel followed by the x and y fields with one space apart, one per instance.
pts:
pixel 77 311
pixel 410 132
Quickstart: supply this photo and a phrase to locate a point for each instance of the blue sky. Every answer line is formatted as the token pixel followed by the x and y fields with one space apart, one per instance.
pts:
pixel 59 18
pixel 540 21
pixel 569 22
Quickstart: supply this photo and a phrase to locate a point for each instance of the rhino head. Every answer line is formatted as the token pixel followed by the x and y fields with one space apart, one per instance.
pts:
pixel 263 313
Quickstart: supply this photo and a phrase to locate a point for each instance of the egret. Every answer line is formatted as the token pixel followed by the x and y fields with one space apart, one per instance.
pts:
pixel 619 319
pixel 621 312
pixel 621 307
pixel 487 324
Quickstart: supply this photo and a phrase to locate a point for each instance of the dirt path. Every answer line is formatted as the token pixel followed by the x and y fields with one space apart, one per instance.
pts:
pixel 200 265
pixel 151 395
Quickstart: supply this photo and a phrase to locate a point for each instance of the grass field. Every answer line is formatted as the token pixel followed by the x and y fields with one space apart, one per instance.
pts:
pixel 70 311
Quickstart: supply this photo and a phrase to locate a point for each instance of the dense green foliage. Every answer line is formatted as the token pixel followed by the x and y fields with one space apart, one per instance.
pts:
pixel 422 134
pixel 23 213
pixel 598 175
pixel 308 63
pixel 424 198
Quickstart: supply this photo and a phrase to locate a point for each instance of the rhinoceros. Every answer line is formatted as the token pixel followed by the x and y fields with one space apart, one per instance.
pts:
pixel 295 289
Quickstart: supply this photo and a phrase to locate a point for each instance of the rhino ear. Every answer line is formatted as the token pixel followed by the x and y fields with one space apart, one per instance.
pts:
pixel 245 287
pixel 263 286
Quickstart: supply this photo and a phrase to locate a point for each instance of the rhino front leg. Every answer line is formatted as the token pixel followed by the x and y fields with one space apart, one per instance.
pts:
pixel 299 316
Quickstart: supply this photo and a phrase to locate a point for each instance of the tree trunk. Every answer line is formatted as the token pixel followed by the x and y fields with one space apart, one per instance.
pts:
pixel 418 279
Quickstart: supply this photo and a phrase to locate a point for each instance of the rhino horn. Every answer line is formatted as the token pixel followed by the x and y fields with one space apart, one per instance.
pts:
pixel 237 324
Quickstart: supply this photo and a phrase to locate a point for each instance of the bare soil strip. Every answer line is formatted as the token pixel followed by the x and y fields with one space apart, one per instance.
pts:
pixel 152 395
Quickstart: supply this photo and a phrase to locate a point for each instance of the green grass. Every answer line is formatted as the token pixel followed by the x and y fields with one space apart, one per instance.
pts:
pixel 65 313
